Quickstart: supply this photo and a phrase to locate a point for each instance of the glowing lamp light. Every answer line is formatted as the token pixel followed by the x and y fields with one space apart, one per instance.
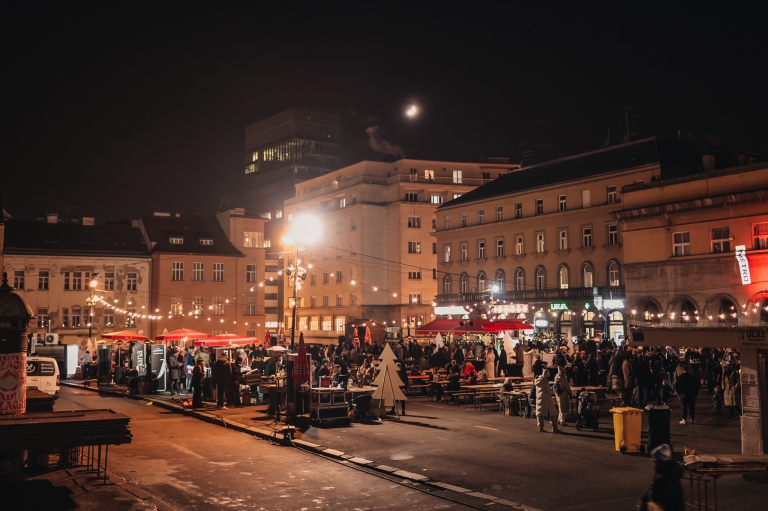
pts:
pixel 395 295
pixel 94 283
pixel 352 282
pixel 495 288
pixel 412 111
pixel 375 288
pixel 305 230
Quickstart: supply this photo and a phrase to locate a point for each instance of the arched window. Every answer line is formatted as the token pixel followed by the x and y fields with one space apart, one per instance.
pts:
pixel 541 278
pixel 481 278
pixel 562 277
pixel 613 274
pixel 586 275
pixel 519 280
pixel 499 280
pixel 447 285
pixel 464 283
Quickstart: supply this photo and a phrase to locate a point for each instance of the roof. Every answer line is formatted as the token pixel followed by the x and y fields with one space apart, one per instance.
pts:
pixel 111 240
pixel 160 230
pixel 673 158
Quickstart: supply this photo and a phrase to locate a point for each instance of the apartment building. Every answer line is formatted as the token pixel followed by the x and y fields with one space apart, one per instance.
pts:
pixel 52 263
pixel 542 243
pixel 375 259
pixel 206 272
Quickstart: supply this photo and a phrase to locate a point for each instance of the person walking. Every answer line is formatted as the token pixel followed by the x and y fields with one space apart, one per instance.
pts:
pixel 687 389
pixel 502 363
pixel 665 492
pixel 174 372
pixel 732 390
pixel 545 406
pixel 563 392
pixel 221 373
pixel 198 373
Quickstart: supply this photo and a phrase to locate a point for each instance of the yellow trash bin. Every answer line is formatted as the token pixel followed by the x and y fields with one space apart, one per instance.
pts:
pixel 627 428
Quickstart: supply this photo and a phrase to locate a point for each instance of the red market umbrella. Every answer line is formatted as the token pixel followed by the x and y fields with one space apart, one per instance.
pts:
pixel 502 325
pixel 267 339
pixel 301 366
pixel 182 334
pixel 124 335
pixel 225 340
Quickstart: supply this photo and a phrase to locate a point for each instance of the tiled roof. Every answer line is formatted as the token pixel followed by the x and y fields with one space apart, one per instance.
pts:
pixel 674 159
pixel 111 240
pixel 160 230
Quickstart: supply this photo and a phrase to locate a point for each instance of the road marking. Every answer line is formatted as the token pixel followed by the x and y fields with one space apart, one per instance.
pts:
pixel 433 406
pixel 483 427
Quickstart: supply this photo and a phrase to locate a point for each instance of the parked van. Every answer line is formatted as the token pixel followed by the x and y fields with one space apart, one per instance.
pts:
pixel 43 374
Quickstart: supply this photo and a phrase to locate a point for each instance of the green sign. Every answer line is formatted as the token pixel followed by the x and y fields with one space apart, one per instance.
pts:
pixel 587 305
pixel 558 306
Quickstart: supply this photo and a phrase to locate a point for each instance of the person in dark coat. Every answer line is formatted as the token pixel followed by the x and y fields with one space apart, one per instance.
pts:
pixel 502 362
pixel 538 366
pixel 593 370
pixel 665 491
pixel 687 389
pixel 198 373
pixel 174 372
pixel 221 373
pixel 233 389
pixel 642 379
pixel 270 366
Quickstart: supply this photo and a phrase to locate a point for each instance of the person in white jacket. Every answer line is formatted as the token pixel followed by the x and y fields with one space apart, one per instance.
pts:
pixel 545 405
pixel 563 395
pixel 490 363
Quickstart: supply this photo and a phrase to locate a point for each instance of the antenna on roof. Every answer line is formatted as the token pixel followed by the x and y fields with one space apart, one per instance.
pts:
pixel 626 117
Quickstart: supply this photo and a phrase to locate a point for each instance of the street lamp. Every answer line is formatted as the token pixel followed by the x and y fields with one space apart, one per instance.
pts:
pixel 304 230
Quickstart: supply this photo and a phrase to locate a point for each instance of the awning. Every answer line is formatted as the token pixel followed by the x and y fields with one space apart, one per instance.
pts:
pixel 183 334
pixel 504 325
pixel 451 325
pixel 226 340
pixel 124 335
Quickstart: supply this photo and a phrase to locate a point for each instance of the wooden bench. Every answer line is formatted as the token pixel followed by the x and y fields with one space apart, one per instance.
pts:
pixel 484 394
pixel 412 388
pixel 458 395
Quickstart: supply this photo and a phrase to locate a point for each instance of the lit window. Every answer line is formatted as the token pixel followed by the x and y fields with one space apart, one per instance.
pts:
pixel 613 274
pixel 429 175
pixel 176 241
pixel 540 242
pixel 541 278
pixel 447 254
pixel 217 307
pixel 436 199
pixel 586 274
pixel 177 306
pixel 457 179
pixel 206 241
pixel 563 277
pixel 519 245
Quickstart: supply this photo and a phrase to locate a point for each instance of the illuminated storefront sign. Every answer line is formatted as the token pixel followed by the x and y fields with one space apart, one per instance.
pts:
pixel 741 257
pixel 558 306
pixel 541 323
pixel 511 308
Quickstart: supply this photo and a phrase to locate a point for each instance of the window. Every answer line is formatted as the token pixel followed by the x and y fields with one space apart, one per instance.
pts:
pixel 681 245
pixel 519 280
pixel 42 317
pixel 481 250
pixel 131 281
pixel 447 284
pixel 109 319
pixel 721 240
pixel 314 322
pixel 499 213
pixel 67 281
pixel 198 271
pixel 562 237
pixel 434 248
pixel 500 248
pixel 42 280
pixel 411 197
pixel 463 221
pixel 339 321
pixel 338 276
pixel 563 277
pixel 539 206
pixel 77 280
pixel 434 273
pixel 342 203
pixel 414 247
pixel 338 301
pixel 273 296
pixel 518 210
pixel 486 175
pixel 353 300
pixel 539 242
pixel 457 177
pixel 611 194
pixel 481 278
pixel 177 306
pixel 414 222
pixel 447 253
pixel 414 298
pixel 198 306
pixel 327 323
pixel 65 318
pixel 218 272
pixel 109 281
pixel 463 283
pixel 312 279
pixel 586 237
pixel 541 278
pixel 414 175
pixel 18 279
pixel 206 241
pixel 500 280
pixel 250 273
pixel 429 175
pixel 561 203
pixel 613 274
pixel 338 227
pixel 75 318
pixel 130 318
pixel 325 277
pixel 279 213
pixel 586 275
pixel 302 323
pixel 176 241
pixel 217 309
pixel 480 216
pixel 434 224
pixel 254 239
pixel 325 301
pixel 414 275
pixel 446 223
pixel 313 302
pixel 464 254
pixel 177 271
pixel 436 199
pixel 760 236
pixel 456 195
pixel 519 245
pixel 585 200
pixel 613 234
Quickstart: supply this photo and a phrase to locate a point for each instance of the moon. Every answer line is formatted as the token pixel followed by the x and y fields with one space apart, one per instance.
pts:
pixel 412 111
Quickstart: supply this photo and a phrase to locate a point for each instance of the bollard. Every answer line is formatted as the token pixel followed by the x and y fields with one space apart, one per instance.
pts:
pixel 15 315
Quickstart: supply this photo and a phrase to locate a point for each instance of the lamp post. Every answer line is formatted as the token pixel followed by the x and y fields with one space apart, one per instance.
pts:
pixel 90 301
pixel 304 230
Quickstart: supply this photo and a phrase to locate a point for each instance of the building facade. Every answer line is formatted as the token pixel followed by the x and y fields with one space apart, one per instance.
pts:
pixel 375 259
pixel 542 243
pixel 206 273
pixel 53 263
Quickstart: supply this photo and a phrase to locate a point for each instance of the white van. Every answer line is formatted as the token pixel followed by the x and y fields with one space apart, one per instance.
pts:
pixel 43 374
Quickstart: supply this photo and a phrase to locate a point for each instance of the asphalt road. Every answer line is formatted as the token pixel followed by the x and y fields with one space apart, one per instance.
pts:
pixel 190 464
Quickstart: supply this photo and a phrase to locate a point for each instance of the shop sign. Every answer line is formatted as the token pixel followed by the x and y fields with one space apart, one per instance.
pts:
pixel 511 308
pixel 541 323
pixel 558 306
pixel 613 304
pixel 392 329
pixel 598 301
pixel 753 338
pixel 741 257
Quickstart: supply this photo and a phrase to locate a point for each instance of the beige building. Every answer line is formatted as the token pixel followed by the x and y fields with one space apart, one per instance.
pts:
pixel 207 273
pixel 545 238
pixel 375 259
pixel 52 263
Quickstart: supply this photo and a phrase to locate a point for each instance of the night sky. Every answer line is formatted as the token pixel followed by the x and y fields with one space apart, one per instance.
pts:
pixel 117 109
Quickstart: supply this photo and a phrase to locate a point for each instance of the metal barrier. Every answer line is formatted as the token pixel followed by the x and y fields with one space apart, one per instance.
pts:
pixel 702 491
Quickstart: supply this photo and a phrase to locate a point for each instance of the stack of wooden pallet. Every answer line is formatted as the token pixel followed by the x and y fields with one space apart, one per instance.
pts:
pixel 726 463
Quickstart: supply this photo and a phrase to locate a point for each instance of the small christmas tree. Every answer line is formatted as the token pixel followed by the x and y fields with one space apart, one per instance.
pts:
pixel 388 382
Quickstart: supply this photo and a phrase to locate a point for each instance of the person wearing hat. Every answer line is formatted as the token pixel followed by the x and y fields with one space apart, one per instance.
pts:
pixel 665 492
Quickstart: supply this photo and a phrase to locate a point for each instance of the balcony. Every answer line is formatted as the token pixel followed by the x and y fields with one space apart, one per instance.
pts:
pixel 418 178
pixel 532 295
